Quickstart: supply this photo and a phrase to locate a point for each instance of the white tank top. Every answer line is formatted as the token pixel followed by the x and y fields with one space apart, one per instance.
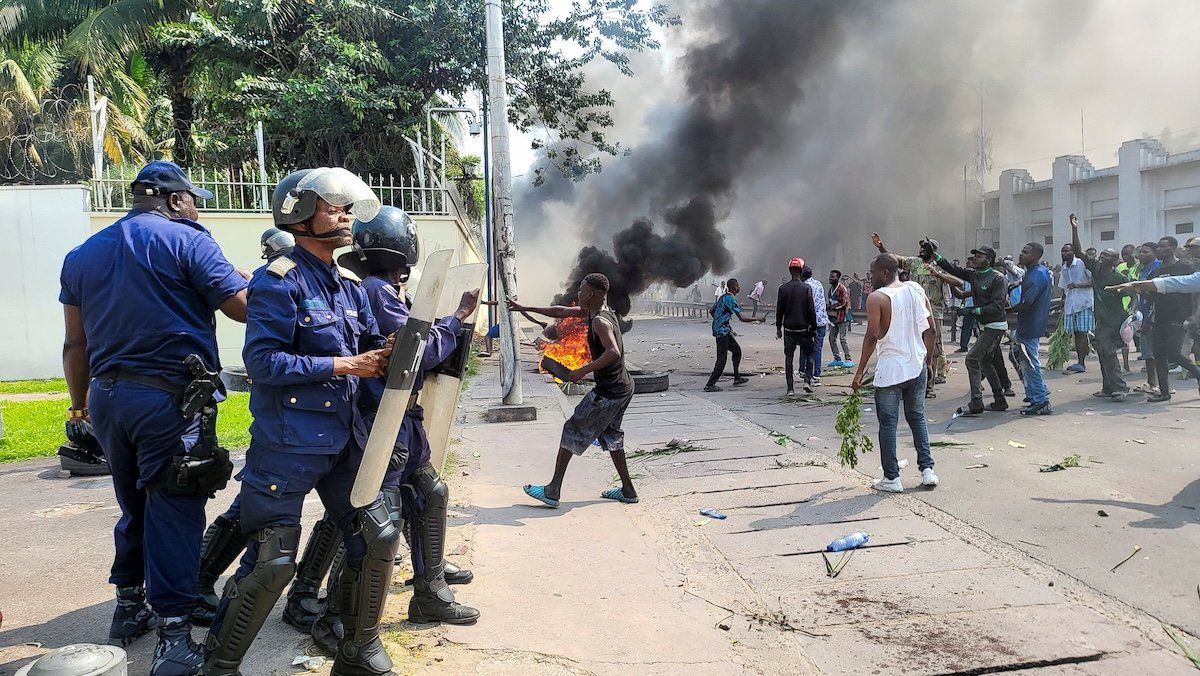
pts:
pixel 901 353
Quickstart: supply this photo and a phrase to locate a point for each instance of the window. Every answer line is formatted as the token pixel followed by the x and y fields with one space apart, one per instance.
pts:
pixel 1183 228
pixel 1108 235
pixel 1049 239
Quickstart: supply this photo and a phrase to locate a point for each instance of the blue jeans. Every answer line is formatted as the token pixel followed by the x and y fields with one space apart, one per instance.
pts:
pixel 1025 354
pixel 816 356
pixel 887 409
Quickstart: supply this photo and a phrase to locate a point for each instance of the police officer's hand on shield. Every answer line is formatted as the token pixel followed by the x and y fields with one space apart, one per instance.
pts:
pixel 466 306
pixel 369 364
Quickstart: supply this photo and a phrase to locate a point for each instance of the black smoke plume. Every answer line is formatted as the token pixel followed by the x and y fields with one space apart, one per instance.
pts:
pixel 743 75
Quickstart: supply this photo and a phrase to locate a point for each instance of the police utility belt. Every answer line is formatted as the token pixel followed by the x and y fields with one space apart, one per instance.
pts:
pixel 206 468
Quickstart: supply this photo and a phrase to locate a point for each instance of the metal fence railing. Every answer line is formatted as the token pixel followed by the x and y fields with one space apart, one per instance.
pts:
pixel 238 191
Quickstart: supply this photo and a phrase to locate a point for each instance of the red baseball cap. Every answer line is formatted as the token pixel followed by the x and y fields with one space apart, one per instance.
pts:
pixel 796 262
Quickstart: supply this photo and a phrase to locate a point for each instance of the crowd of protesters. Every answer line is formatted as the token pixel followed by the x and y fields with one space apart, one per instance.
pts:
pixel 1000 311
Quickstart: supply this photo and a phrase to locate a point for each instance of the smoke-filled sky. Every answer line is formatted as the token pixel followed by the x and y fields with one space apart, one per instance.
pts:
pixel 805 125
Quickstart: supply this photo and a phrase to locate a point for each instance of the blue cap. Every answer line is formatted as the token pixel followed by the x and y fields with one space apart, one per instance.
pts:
pixel 163 178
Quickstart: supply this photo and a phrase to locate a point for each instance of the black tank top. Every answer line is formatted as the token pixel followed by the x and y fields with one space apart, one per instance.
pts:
pixel 612 382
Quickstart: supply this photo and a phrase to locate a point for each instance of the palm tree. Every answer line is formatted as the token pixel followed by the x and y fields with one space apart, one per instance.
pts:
pixel 102 37
pixel 47 124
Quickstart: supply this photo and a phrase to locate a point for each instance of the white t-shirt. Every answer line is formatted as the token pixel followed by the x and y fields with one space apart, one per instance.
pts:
pixel 757 293
pixel 1080 299
pixel 900 356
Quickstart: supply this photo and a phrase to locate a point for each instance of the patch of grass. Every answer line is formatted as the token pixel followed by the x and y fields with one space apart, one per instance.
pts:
pixel 33 386
pixel 472 369
pixel 233 421
pixel 34 429
pixel 451 464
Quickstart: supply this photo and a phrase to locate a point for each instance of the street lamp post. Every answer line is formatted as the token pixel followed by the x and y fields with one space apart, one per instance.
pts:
pixel 505 251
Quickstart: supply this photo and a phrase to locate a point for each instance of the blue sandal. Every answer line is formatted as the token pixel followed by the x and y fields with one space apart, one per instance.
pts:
pixel 618 495
pixel 539 493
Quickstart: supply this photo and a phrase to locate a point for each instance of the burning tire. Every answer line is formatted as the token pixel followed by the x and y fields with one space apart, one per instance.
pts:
pixel 646 382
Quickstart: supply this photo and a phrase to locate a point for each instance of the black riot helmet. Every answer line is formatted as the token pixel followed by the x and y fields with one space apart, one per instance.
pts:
pixel 295 198
pixel 275 243
pixel 385 243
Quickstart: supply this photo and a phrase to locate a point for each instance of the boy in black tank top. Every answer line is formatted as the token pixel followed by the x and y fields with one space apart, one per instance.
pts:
pixel 599 415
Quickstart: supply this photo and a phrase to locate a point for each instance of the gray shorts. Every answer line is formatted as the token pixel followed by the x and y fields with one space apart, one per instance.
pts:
pixel 595 418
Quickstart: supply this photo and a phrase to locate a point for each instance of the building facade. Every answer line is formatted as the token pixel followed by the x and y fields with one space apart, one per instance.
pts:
pixel 1149 194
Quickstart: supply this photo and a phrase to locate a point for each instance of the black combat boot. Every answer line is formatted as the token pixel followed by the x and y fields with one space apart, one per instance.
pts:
pixel 132 618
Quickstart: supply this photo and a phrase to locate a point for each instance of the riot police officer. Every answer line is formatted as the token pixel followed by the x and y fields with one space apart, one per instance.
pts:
pixel 139 298
pixel 385 252
pixel 275 243
pixel 224 539
pixel 310 337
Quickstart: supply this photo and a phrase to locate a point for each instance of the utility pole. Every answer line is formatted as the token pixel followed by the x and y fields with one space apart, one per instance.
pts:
pixel 505 245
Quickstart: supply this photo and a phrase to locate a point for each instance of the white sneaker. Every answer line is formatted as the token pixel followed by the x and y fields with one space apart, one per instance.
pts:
pixel 816 381
pixel 928 478
pixel 889 485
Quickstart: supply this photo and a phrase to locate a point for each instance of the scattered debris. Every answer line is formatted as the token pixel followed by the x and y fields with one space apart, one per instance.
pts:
pixel 668 450
pixel 1187 650
pixel 780 438
pixel 796 460
pixel 701 522
pixel 1136 441
pixel 1136 549
pixel 946 444
pixel 851 541
pixel 476 455
pixel 980 465
pixel 309 663
pixel 712 513
pixel 1016 444
pixel 903 463
pixel 724 624
pixel 1069 461
pixel 849 425
pixel 1101 512
pixel 834 569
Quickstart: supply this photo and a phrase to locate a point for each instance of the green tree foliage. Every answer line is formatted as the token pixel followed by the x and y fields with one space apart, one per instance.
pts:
pixel 340 81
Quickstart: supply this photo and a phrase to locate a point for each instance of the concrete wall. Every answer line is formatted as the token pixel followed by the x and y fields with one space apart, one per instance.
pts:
pixel 40 225
pixel 43 223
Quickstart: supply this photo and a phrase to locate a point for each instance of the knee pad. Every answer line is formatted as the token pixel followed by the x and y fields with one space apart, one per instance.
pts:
pixel 277 550
pixel 394 501
pixel 381 535
pixel 432 488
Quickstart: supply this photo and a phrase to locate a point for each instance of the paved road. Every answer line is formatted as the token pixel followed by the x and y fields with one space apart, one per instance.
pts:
pixel 1150 492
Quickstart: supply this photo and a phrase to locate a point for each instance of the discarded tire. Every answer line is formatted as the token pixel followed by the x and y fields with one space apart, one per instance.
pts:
pixel 645 382
pixel 235 379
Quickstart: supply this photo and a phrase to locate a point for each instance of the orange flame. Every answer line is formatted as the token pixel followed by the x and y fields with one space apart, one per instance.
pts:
pixel 571 348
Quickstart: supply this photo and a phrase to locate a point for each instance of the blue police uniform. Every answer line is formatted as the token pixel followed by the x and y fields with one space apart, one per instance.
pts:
pixel 415 489
pixel 147 288
pixel 392 312
pixel 308 430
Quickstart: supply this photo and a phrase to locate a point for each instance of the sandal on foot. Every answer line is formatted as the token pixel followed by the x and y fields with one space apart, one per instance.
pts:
pixel 618 495
pixel 539 493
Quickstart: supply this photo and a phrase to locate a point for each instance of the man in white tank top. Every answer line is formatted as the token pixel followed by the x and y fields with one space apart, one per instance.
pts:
pixel 900 326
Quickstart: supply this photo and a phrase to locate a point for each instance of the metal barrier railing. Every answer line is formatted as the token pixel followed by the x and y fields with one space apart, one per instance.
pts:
pixel 235 192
